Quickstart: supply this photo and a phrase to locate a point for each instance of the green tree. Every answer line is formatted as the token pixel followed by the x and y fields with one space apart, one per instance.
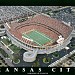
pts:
pixel 36 64
pixel 16 57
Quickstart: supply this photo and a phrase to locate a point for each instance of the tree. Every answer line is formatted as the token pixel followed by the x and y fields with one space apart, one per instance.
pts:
pixel 36 64
pixel 55 54
pixel 46 60
pixel 16 58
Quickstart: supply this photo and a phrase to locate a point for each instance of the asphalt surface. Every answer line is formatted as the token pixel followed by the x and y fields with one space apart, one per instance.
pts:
pixel 40 57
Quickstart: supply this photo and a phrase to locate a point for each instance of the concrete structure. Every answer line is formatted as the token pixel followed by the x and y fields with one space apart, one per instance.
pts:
pixel 66 56
pixel 38 50
pixel 30 56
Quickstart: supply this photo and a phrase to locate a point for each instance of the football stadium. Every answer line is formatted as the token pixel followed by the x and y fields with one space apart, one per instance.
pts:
pixel 39 35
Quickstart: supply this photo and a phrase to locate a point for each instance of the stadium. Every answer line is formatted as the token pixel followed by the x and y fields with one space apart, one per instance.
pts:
pixel 39 34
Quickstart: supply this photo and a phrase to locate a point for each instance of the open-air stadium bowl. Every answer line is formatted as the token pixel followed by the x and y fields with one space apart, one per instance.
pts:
pixel 39 32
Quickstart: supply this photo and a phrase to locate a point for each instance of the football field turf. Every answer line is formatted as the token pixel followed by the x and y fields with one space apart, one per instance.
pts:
pixel 38 37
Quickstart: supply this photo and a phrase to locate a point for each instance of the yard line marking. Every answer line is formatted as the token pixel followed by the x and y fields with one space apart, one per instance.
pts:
pixel 42 35
pixel 33 40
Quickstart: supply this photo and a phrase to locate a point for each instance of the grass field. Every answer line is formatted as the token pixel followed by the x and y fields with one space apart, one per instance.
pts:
pixel 38 37
pixel 6 41
pixel 14 48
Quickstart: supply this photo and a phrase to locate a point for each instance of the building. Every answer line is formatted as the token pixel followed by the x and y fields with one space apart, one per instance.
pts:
pixel 55 35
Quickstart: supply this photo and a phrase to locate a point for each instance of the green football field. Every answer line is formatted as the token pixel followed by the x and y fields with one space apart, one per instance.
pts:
pixel 38 37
